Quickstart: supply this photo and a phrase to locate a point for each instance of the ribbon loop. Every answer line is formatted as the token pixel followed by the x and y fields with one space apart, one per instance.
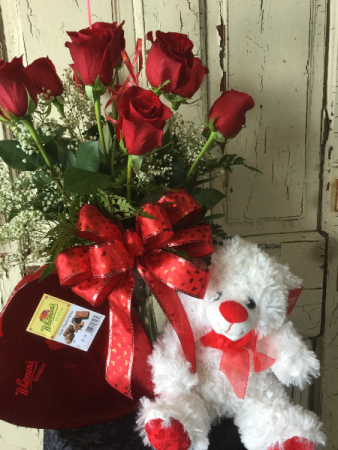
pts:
pixel 73 265
pixel 94 226
pixel 110 259
pixel 187 239
pixel 178 273
pixel 180 206
pixel 96 290
pixel 154 233
pixel 133 243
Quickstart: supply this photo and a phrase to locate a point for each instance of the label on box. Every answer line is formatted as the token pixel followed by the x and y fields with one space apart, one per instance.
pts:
pixel 65 322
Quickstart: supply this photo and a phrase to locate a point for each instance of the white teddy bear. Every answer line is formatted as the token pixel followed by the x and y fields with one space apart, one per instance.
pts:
pixel 245 350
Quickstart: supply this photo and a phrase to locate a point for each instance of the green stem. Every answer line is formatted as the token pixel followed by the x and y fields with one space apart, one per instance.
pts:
pixel 113 107
pixel 115 144
pixel 97 106
pixel 27 121
pixel 129 175
pixel 209 142
pixel 175 106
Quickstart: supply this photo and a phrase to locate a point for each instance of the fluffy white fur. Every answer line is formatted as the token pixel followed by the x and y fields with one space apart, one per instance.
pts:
pixel 240 271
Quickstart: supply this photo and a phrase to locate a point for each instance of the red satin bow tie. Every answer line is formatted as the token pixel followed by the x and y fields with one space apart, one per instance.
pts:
pixel 106 269
pixel 235 363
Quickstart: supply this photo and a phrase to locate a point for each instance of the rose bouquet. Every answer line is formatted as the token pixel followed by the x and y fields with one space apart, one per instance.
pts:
pixel 114 193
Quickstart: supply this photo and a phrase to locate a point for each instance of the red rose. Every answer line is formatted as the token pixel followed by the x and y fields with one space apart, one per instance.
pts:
pixel 96 51
pixel 170 58
pixel 15 82
pixel 43 72
pixel 229 111
pixel 77 80
pixel 141 121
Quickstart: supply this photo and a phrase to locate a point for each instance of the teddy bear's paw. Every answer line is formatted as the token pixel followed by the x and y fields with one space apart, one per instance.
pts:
pixel 295 443
pixel 172 437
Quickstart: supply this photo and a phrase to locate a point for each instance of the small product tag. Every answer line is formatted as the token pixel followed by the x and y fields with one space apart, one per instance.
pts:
pixel 65 322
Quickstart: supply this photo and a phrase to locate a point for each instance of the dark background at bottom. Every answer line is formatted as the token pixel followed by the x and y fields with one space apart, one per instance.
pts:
pixel 119 434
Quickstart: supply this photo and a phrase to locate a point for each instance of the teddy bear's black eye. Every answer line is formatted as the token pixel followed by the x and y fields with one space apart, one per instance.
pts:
pixel 218 296
pixel 251 303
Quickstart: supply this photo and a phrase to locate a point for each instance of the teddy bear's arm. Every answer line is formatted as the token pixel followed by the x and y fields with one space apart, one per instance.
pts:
pixel 295 364
pixel 170 369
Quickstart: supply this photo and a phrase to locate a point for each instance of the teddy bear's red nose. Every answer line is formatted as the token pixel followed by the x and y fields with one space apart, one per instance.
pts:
pixel 233 312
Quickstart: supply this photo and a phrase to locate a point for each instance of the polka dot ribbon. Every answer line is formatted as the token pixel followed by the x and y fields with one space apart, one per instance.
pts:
pixel 105 269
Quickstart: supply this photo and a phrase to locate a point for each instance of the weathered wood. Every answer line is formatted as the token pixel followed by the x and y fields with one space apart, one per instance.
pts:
pixel 284 73
pixel 328 398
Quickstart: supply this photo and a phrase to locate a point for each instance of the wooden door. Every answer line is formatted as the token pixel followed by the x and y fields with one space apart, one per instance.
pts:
pixel 283 54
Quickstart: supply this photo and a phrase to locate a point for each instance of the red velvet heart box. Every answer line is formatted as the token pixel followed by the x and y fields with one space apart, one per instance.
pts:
pixel 44 384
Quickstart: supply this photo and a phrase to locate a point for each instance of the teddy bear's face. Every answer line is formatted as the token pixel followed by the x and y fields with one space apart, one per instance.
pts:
pixel 248 291
pixel 231 318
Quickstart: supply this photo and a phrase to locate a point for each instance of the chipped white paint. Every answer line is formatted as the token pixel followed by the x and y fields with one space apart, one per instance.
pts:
pixel 275 51
pixel 328 396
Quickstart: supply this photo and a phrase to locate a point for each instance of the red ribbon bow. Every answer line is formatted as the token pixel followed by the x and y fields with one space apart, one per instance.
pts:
pixel 106 269
pixel 235 362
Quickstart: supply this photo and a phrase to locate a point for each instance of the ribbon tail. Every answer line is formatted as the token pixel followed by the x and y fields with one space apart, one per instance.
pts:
pixel 235 366
pixel 173 309
pixel 262 362
pixel 120 356
pixel 129 66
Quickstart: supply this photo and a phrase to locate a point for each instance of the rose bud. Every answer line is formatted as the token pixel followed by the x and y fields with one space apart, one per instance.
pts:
pixel 141 120
pixel 96 51
pixel 43 72
pixel 170 58
pixel 229 111
pixel 15 86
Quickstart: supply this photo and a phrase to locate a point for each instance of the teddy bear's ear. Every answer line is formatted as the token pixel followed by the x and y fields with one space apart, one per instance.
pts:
pixel 292 298
pixel 293 284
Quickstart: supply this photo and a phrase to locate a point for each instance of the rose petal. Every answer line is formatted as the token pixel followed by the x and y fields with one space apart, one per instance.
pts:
pixel 14 84
pixel 43 72
pixel 229 111
pixel 195 77
pixel 140 137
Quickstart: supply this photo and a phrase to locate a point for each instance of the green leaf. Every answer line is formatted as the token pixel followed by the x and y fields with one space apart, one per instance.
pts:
pixel 98 86
pixel 220 137
pixel 81 181
pixel 88 156
pixel 208 198
pixel 47 271
pixel 123 147
pixel 66 156
pixel 218 234
pixel 14 156
pixel 89 92
pixel 31 105
pixel 45 178
pixel 136 162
